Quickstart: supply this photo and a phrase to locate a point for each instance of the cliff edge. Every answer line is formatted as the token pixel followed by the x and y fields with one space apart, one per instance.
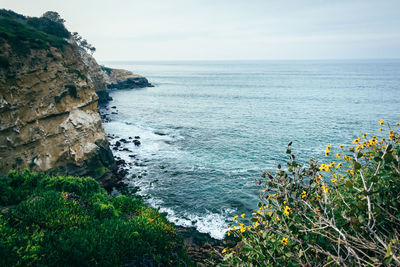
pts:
pixel 49 118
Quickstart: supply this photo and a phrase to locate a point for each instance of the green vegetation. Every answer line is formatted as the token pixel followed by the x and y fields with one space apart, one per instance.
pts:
pixel 106 69
pixel 336 213
pixel 24 33
pixel 72 221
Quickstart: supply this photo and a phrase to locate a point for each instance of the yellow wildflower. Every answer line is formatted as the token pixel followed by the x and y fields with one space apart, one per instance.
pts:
pixel 338 155
pixel 287 210
pixel 229 233
pixel 242 215
pixel 284 241
pixel 364 135
pixel 327 149
pixel 339 164
pixel 381 122
pixel 357 140
pixel 227 226
pixel 391 135
pixel 341 146
pixel 303 194
pixel 223 251
pixel 234 218
pixel 326 188
pixel 333 180
pixel 398 123
pixel 319 197
pixel 242 228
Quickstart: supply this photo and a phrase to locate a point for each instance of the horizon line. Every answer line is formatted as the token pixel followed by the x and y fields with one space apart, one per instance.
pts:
pixel 312 59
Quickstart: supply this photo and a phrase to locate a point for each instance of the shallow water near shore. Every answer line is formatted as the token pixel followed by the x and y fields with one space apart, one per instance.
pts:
pixel 209 128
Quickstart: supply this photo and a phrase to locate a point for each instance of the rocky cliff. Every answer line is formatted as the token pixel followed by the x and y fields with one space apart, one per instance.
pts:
pixel 49 118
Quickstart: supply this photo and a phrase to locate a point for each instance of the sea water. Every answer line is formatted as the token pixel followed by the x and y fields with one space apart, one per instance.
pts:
pixel 209 128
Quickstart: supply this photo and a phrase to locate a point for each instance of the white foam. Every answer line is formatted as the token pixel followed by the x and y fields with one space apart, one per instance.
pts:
pixel 209 223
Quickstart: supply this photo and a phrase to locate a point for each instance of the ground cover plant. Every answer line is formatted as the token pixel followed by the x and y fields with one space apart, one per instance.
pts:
pixel 73 221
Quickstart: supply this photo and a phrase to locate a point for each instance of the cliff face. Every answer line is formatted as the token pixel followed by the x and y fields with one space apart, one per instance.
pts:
pixel 49 118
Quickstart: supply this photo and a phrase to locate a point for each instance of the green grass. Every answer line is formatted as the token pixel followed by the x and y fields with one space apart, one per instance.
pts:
pixel 72 221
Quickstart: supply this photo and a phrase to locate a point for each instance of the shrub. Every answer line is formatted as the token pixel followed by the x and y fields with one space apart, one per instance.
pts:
pixel 343 212
pixel 72 221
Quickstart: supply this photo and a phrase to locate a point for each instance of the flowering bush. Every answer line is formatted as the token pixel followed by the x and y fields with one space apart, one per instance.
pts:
pixel 342 212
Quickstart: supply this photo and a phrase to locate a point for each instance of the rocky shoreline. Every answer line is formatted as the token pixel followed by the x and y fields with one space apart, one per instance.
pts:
pixel 202 249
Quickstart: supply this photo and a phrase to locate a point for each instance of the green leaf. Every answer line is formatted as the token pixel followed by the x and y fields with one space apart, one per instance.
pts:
pixel 357 165
pixel 388 157
pixel 388 252
pixel 349 184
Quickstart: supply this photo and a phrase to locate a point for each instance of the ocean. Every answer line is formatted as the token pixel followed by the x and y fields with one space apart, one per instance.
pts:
pixel 209 128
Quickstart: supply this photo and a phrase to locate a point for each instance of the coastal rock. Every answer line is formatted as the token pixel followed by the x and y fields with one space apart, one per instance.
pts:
pixel 49 119
pixel 124 79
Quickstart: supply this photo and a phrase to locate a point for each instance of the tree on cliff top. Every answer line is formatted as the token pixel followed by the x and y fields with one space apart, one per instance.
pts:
pixel 53 16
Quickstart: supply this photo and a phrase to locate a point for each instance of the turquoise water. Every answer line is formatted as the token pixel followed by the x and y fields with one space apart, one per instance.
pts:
pixel 208 129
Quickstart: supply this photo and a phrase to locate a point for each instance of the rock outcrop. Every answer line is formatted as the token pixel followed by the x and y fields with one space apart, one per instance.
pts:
pixel 124 79
pixel 49 118
pixel 104 78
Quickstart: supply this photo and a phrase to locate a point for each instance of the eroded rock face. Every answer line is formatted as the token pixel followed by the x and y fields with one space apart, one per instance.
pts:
pixel 49 118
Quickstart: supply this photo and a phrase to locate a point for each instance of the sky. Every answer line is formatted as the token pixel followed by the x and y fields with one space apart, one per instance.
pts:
pixel 134 30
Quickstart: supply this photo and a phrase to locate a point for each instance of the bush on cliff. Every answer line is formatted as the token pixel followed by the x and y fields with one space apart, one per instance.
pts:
pixel 344 212
pixel 25 33
pixel 72 221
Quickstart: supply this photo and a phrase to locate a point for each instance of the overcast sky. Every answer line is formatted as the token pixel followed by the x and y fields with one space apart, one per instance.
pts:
pixel 229 29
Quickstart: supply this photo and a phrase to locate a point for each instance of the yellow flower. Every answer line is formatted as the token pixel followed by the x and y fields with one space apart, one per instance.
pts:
pixel 391 135
pixel 277 218
pixel 357 140
pixel 319 197
pixel 346 157
pixel 364 135
pixel 341 146
pixel 327 149
pixel 242 215
pixel 333 180
pixel 227 226
pixel 398 123
pixel 284 241
pixel 229 233
pixel 339 164
pixel 338 155
pixel 381 122
pixel 242 228
pixel 326 188
pixel 223 251
pixel 234 218
pixel 303 194
pixel 287 210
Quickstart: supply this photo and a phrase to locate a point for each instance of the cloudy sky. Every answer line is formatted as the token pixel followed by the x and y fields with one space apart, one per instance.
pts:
pixel 229 29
